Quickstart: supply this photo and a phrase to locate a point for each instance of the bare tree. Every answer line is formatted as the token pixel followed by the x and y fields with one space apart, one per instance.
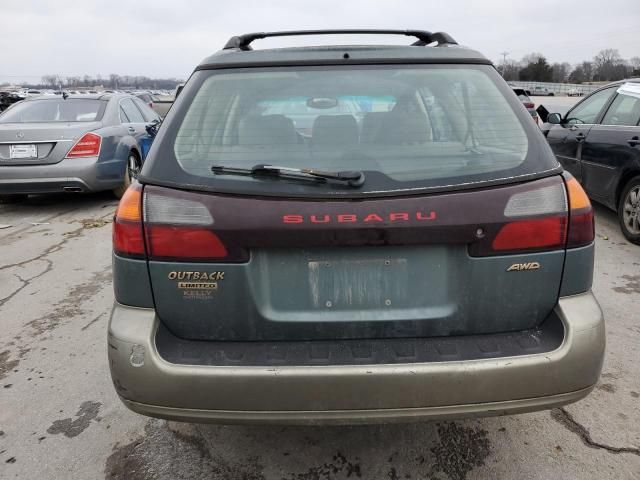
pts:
pixel 49 80
pixel 607 56
pixel 530 58
pixel 560 71
pixel 114 79
pixel 510 70
pixel 608 65
pixel 587 68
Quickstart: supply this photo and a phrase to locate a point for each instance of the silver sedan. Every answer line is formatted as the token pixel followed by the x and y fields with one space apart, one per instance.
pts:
pixel 83 143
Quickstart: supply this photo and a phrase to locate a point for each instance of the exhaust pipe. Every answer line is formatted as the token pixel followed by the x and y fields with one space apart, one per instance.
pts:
pixel 72 189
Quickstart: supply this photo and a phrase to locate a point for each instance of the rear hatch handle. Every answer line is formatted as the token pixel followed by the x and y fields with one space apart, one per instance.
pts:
pixel 353 178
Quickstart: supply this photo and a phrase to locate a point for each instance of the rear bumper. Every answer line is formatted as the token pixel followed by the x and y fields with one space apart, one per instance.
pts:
pixel 77 174
pixel 152 386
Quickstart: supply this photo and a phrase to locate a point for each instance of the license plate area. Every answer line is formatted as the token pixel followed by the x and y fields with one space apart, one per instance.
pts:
pixel 23 151
pixel 362 284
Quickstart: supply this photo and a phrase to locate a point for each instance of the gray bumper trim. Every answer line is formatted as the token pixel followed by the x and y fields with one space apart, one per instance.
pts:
pixel 342 417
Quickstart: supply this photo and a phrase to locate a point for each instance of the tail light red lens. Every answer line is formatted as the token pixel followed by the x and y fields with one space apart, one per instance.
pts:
pixel 183 242
pixel 87 146
pixel 581 221
pixel 542 233
pixel 128 239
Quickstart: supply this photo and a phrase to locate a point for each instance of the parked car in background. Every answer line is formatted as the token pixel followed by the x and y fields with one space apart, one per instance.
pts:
pixel 574 92
pixel 539 91
pixel 146 98
pixel 8 98
pixel 527 102
pixel 598 141
pixel 71 143
pixel 429 260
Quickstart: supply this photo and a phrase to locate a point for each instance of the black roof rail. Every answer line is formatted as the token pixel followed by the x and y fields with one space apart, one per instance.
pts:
pixel 243 42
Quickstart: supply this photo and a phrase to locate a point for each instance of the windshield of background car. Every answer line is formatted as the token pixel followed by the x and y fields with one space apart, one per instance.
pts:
pixel 406 127
pixel 55 110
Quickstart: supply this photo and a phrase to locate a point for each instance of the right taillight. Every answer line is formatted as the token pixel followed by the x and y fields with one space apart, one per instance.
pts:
pixel 87 146
pixel 536 220
pixel 581 221
pixel 552 217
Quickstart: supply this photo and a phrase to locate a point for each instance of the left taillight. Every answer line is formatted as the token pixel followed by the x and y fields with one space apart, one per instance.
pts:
pixel 181 229
pixel 87 146
pixel 128 237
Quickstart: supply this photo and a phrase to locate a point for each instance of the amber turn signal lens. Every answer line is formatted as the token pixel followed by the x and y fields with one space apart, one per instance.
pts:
pixel 577 197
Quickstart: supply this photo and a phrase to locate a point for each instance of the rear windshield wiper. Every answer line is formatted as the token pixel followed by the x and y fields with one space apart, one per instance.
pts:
pixel 352 178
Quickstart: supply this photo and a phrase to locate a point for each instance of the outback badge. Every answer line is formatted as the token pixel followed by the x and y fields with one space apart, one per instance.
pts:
pixel 518 267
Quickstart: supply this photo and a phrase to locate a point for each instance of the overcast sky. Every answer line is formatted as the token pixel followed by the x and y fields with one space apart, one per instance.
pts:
pixel 167 38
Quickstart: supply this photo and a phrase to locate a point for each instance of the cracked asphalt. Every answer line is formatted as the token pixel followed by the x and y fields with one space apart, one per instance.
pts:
pixel 60 417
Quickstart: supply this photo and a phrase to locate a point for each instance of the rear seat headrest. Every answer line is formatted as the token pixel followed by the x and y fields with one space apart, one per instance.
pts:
pixel 335 130
pixel 267 130
pixel 403 128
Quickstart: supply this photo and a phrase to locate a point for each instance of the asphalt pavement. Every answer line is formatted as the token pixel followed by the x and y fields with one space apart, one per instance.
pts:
pixel 60 417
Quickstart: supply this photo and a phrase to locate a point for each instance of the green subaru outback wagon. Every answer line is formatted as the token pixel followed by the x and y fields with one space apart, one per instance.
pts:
pixel 357 233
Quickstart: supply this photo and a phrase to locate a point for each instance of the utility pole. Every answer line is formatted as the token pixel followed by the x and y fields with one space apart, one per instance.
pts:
pixel 504 61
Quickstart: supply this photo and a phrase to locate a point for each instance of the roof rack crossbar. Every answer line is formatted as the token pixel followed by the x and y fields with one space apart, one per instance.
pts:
pixel 243 42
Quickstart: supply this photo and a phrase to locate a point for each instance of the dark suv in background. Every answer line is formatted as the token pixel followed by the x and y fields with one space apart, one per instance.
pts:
pixel 598 141
pixel 394 256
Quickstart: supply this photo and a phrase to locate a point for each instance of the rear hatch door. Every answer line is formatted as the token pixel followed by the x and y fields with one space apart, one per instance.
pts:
pixel 233 268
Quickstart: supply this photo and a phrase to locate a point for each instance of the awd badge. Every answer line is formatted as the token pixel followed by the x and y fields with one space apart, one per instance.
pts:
pixel 518 267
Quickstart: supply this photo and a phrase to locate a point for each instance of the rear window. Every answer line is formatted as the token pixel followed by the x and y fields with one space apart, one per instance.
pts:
pixel 407 127
pixel 55 110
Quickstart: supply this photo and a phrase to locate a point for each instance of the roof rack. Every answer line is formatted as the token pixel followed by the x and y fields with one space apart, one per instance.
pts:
pixel 243 42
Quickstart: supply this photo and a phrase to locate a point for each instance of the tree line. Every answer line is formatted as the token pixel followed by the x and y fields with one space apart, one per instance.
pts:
pixel 606 66
pixel 113 81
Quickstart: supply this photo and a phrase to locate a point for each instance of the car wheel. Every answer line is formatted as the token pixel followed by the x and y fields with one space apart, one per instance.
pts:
pixel 134 165
pixel 13 198
pixel 629 210
pixel 552 94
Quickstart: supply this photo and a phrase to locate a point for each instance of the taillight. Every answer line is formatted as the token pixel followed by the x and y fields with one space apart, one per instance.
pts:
pixel 581 221
pixel 182 229
pixel 87 146
pixel 128 239
pixel 529 104
pixel 536 234
pixel 173 241
pixel 534 220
